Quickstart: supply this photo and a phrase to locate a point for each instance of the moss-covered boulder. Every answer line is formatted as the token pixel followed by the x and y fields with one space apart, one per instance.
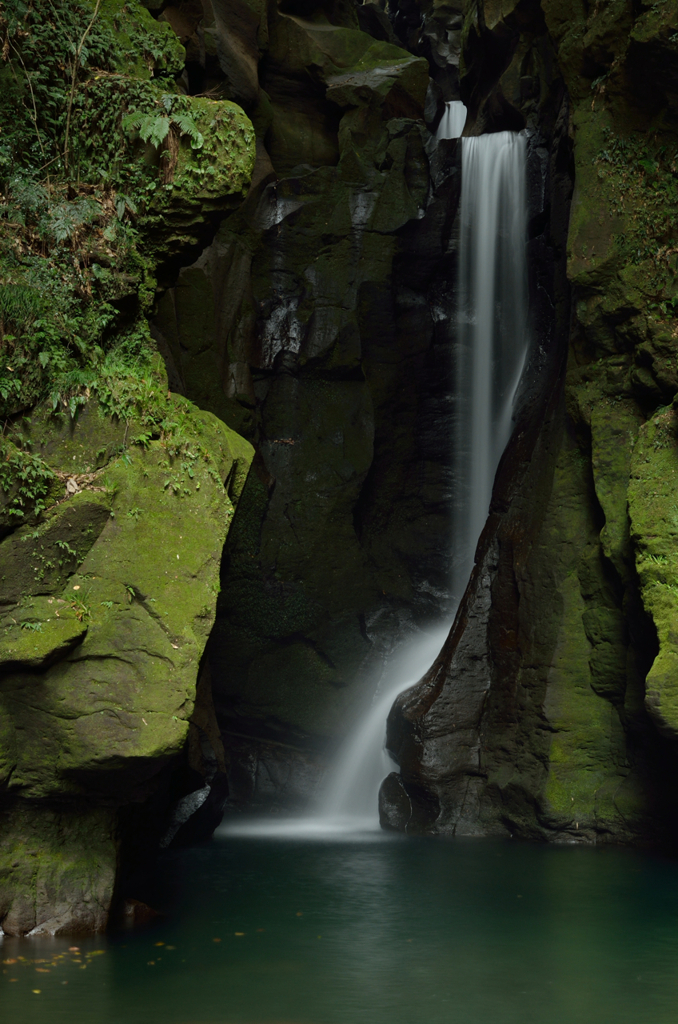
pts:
pixel 653 512
pixel 107 599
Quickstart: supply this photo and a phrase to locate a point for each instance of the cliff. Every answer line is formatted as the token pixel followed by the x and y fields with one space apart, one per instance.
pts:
pixel 550 711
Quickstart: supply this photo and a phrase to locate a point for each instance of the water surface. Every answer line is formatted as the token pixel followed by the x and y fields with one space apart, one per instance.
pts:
pixel 379 929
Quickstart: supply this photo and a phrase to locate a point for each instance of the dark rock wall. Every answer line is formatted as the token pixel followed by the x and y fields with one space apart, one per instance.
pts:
pixel 316 325
pixel 550 709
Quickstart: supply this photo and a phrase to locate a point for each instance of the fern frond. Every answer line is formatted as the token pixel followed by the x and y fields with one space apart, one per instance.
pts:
pixel 187 126
pixel 134 120
pixel 155 130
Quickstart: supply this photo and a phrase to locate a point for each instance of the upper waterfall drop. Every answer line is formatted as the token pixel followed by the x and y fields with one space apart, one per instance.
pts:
pixel 453 120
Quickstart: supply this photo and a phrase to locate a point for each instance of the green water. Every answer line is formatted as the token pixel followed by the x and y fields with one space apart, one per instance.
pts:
pixel 404 931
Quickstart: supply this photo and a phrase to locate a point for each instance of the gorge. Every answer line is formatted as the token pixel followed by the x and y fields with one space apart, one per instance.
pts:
pixel 269 353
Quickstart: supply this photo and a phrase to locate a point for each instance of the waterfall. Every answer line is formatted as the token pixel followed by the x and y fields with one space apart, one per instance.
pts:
pixel 492 331
pixel 453 120
pixel 489 354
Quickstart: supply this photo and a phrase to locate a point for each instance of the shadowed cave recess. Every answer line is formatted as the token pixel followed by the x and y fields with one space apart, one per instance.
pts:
pixel 306 317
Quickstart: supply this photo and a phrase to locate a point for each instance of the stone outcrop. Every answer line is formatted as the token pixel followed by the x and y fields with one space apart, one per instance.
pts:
pixel 106 604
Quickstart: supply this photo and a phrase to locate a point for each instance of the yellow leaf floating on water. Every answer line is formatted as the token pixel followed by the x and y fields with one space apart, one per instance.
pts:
pixel 36 991
pixel 239 934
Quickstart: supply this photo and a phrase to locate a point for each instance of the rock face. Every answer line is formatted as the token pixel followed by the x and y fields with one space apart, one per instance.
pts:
pixel 106 606
pixel 550 712
pixel 307 326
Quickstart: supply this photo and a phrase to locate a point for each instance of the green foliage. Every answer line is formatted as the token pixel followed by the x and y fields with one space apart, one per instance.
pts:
pixel 154 126
pixel 65 219
pixel 34 627
pixel 50 70
pixel 87 92
pixel 642 175
pixel 25 480
pixel 81 607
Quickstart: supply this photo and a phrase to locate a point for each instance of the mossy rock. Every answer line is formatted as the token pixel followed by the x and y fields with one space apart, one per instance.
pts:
pixel 223 165
pixel 41 631
pixel 143 583
pixel 654 530
pixel 57 868
pixel 143 44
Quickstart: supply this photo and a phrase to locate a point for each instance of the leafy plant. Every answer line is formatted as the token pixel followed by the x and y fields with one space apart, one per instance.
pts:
pixel 154 127
pixel 65 546
pixel 25 479
pixel 34 627
pixel 81 607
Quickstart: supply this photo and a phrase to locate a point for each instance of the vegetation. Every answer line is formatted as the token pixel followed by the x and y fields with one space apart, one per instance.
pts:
pixel 93 125
pixel 641 174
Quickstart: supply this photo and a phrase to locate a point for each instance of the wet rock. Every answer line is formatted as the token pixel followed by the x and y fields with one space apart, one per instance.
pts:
pixel 136 914
pixel 395 807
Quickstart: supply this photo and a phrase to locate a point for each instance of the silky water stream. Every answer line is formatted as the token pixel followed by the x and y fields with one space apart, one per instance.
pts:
pixel 326 920
pixel 488 356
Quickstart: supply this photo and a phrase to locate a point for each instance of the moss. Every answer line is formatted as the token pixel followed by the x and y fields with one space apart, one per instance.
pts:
pixel 142 581
pixel 654 526
pixel 57 868
pixel 207 178
pixel 43 630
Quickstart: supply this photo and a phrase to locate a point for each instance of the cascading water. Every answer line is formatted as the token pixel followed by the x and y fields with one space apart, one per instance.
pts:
pixel 489 355
pixel 492 331
pixel 453 120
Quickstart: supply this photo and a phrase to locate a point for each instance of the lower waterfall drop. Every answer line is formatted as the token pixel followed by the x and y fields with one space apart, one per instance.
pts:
pixel 489 355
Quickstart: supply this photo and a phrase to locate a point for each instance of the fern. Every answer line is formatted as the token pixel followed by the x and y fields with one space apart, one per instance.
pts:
pixel 154 128
pixel 20 306
pixel 64 219
pixel 187 126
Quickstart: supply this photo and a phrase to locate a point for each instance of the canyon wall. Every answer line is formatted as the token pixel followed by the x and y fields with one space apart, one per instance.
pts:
pixel 549 713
